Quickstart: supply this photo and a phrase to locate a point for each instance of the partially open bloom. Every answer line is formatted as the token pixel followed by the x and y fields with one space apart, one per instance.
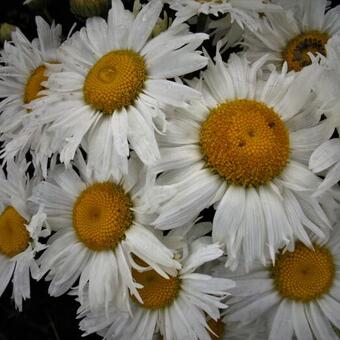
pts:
pixel 245 147
pixel 292 35
pixel 21 81
pixel 113 85
pixel 6 31
pixel 21 226
pixel 177 307
pixel 100 223
pixel 298 296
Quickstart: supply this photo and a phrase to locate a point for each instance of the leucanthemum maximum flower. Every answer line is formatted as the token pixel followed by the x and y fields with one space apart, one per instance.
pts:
pixel 21 81
pixel 298 296
pixel 20 228
pixel 243 12
pixel 100 222
pixel 245 147
pixel 112 88
pixel 290 35
pixel 177 307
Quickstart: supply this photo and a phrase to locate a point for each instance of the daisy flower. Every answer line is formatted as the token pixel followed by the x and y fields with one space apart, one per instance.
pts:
pixel 112 88
pixel 243 12
pixel 244 147
pixel 292 35
pixel 100 221
pixel 21 81
pixel 20 229
pixel 298 296
pixel 176 307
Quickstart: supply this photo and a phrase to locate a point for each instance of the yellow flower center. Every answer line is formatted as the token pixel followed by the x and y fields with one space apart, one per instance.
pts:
pixel 245 142
pixel 115 81
pixel 14 237
pixel 217 327
pixel 157 292
pixel 33 85
pixel 304 274
pixel 296 50
pixel 101 215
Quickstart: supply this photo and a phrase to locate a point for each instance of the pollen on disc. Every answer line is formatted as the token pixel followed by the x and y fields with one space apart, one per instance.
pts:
pixel 115 81
pixel 14 237
pixel 158 292
pixel 33 84
pixel 297 49
pixel 245 142
pixel 101 215
pixel 304 274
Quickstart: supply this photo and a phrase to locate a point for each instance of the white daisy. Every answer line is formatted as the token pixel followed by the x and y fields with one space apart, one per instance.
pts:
pixel 176 308
pixel 100 221
pixel 20 229
pixel 22 74
pixel 244 12
pixel 110 93
pixel 245 147
pixel 292 34
pixel 298 296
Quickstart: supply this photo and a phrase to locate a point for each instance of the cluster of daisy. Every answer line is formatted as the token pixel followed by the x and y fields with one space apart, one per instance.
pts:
pixel 117 138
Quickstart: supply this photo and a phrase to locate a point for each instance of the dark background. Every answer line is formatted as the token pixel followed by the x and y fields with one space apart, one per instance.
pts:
pixel 45 317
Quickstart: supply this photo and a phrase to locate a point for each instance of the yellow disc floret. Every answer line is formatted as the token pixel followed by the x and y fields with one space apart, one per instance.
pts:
pixel 217 328
pixel 157 292
pixel 33 84
pixel 245 142
pixel 101 215
pixel 115 81
pixel 14 237
pixel 296 51
pixel 304 274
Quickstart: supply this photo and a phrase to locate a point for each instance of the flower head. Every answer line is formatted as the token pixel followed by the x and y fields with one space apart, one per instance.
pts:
pixel 112 89
pixel 244 147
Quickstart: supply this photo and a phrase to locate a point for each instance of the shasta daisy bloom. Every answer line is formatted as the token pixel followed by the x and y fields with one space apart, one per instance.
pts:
pixel 110 93
pixel 244 147
pixel 292 35
pixel 243 12
pixel 22 73
pixel 20 229
pixel 176 307
pixel 100 221
pixel 298 296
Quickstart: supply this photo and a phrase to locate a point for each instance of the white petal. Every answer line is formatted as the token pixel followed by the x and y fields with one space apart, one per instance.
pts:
pixel 143 25
pixel 325 155
pixel 282 327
